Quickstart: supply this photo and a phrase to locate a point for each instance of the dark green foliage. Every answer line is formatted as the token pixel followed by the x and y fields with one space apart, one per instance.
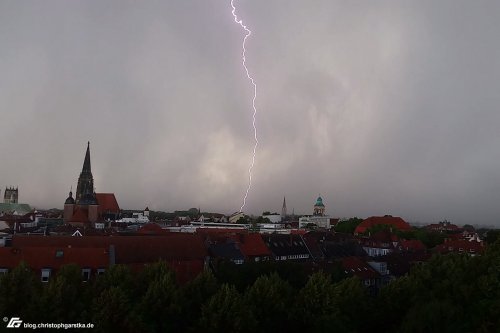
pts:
pixel 261 219
pixel 428 237
pixel 19 293
pixel 492 236
pixel 317 305
pixel 269 300
pixel 243 276
pixel 195 293
pixel 348 226
pixel 112 311
pixel 226 312
pixel 160 299
pixel 64 296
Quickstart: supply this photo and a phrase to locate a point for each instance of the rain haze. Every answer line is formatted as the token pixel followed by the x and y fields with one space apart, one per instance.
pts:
pixel 382 107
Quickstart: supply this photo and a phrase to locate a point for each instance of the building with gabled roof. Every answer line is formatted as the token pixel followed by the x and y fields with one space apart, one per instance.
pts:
pixel 252 246
pixel 379 244
pixel 461 246
pixel 357 267
pixel 184 253
pixel 387 220
pixel 287 247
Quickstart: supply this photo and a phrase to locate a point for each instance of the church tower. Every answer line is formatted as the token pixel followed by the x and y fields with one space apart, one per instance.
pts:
pixel 10 195
pixel 69 206
pixel 283 210
pixel 319 207
pixel 85 189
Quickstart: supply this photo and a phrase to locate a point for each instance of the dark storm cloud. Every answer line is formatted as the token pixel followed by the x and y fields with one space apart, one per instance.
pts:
pixel 382 107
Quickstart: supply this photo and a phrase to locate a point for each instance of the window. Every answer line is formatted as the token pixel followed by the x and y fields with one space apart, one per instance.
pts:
pixel 4 271
pixel 46 274
pixel 59 253
pixel 86 274
pixel 100 271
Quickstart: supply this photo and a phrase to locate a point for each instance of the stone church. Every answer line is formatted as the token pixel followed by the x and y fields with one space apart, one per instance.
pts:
pixel 89 207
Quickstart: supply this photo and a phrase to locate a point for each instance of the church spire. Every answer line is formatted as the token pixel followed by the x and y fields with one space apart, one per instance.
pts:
pixel 85 188
pixel 86 162
pixel 283 210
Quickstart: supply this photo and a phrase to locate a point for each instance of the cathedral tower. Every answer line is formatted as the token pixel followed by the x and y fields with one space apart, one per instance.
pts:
pixel 10 195
pixel 85 188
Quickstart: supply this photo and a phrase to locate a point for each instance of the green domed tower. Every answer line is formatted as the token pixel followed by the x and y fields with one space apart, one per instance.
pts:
pixel 319 207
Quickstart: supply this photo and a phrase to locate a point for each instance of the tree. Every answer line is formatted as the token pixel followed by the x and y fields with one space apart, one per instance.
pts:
pixel 225 312
pixel 261 219
pixel 492 236
pixel 194 294
pixel 352 299
pixel 317 306
pixel 112 312
pixel 65 298
pixel 115 276
pixel 269 300
pixel 348 226
pixel 19 293
pixel 159 306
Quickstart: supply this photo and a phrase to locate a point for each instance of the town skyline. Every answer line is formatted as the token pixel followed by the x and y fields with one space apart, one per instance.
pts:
pixel 382 108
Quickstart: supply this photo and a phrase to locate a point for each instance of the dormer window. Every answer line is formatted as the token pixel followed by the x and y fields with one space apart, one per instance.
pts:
pixel 85 274
pixel 45 275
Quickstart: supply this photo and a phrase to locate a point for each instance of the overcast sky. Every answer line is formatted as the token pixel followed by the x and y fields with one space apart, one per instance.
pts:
pixel 382 107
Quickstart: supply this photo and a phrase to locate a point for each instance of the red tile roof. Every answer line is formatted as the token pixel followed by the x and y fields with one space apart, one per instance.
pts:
pixel 392 221
pixel 45 257
pixel 80 215
pixel 185 253
pixel 357 267
pixel 129 249
pixel 461 246
pixel 252 245
pixel 152 229
pixel 412 245
pixel 226 231
pixel 107 203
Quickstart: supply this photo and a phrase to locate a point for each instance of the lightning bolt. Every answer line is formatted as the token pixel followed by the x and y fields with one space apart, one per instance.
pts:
pixel 248 33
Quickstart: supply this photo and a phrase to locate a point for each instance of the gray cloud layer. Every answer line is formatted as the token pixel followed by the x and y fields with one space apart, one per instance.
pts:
pixel 382 107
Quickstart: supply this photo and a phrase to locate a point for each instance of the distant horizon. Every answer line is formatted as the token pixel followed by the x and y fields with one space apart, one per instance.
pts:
pixel 411 222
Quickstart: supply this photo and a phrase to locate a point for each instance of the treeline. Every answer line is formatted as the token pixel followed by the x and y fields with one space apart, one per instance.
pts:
pixel 453 293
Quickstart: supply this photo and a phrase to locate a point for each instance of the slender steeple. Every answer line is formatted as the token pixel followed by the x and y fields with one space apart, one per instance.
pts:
pixel 85 188
pixel 86 162
pixel 283 210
